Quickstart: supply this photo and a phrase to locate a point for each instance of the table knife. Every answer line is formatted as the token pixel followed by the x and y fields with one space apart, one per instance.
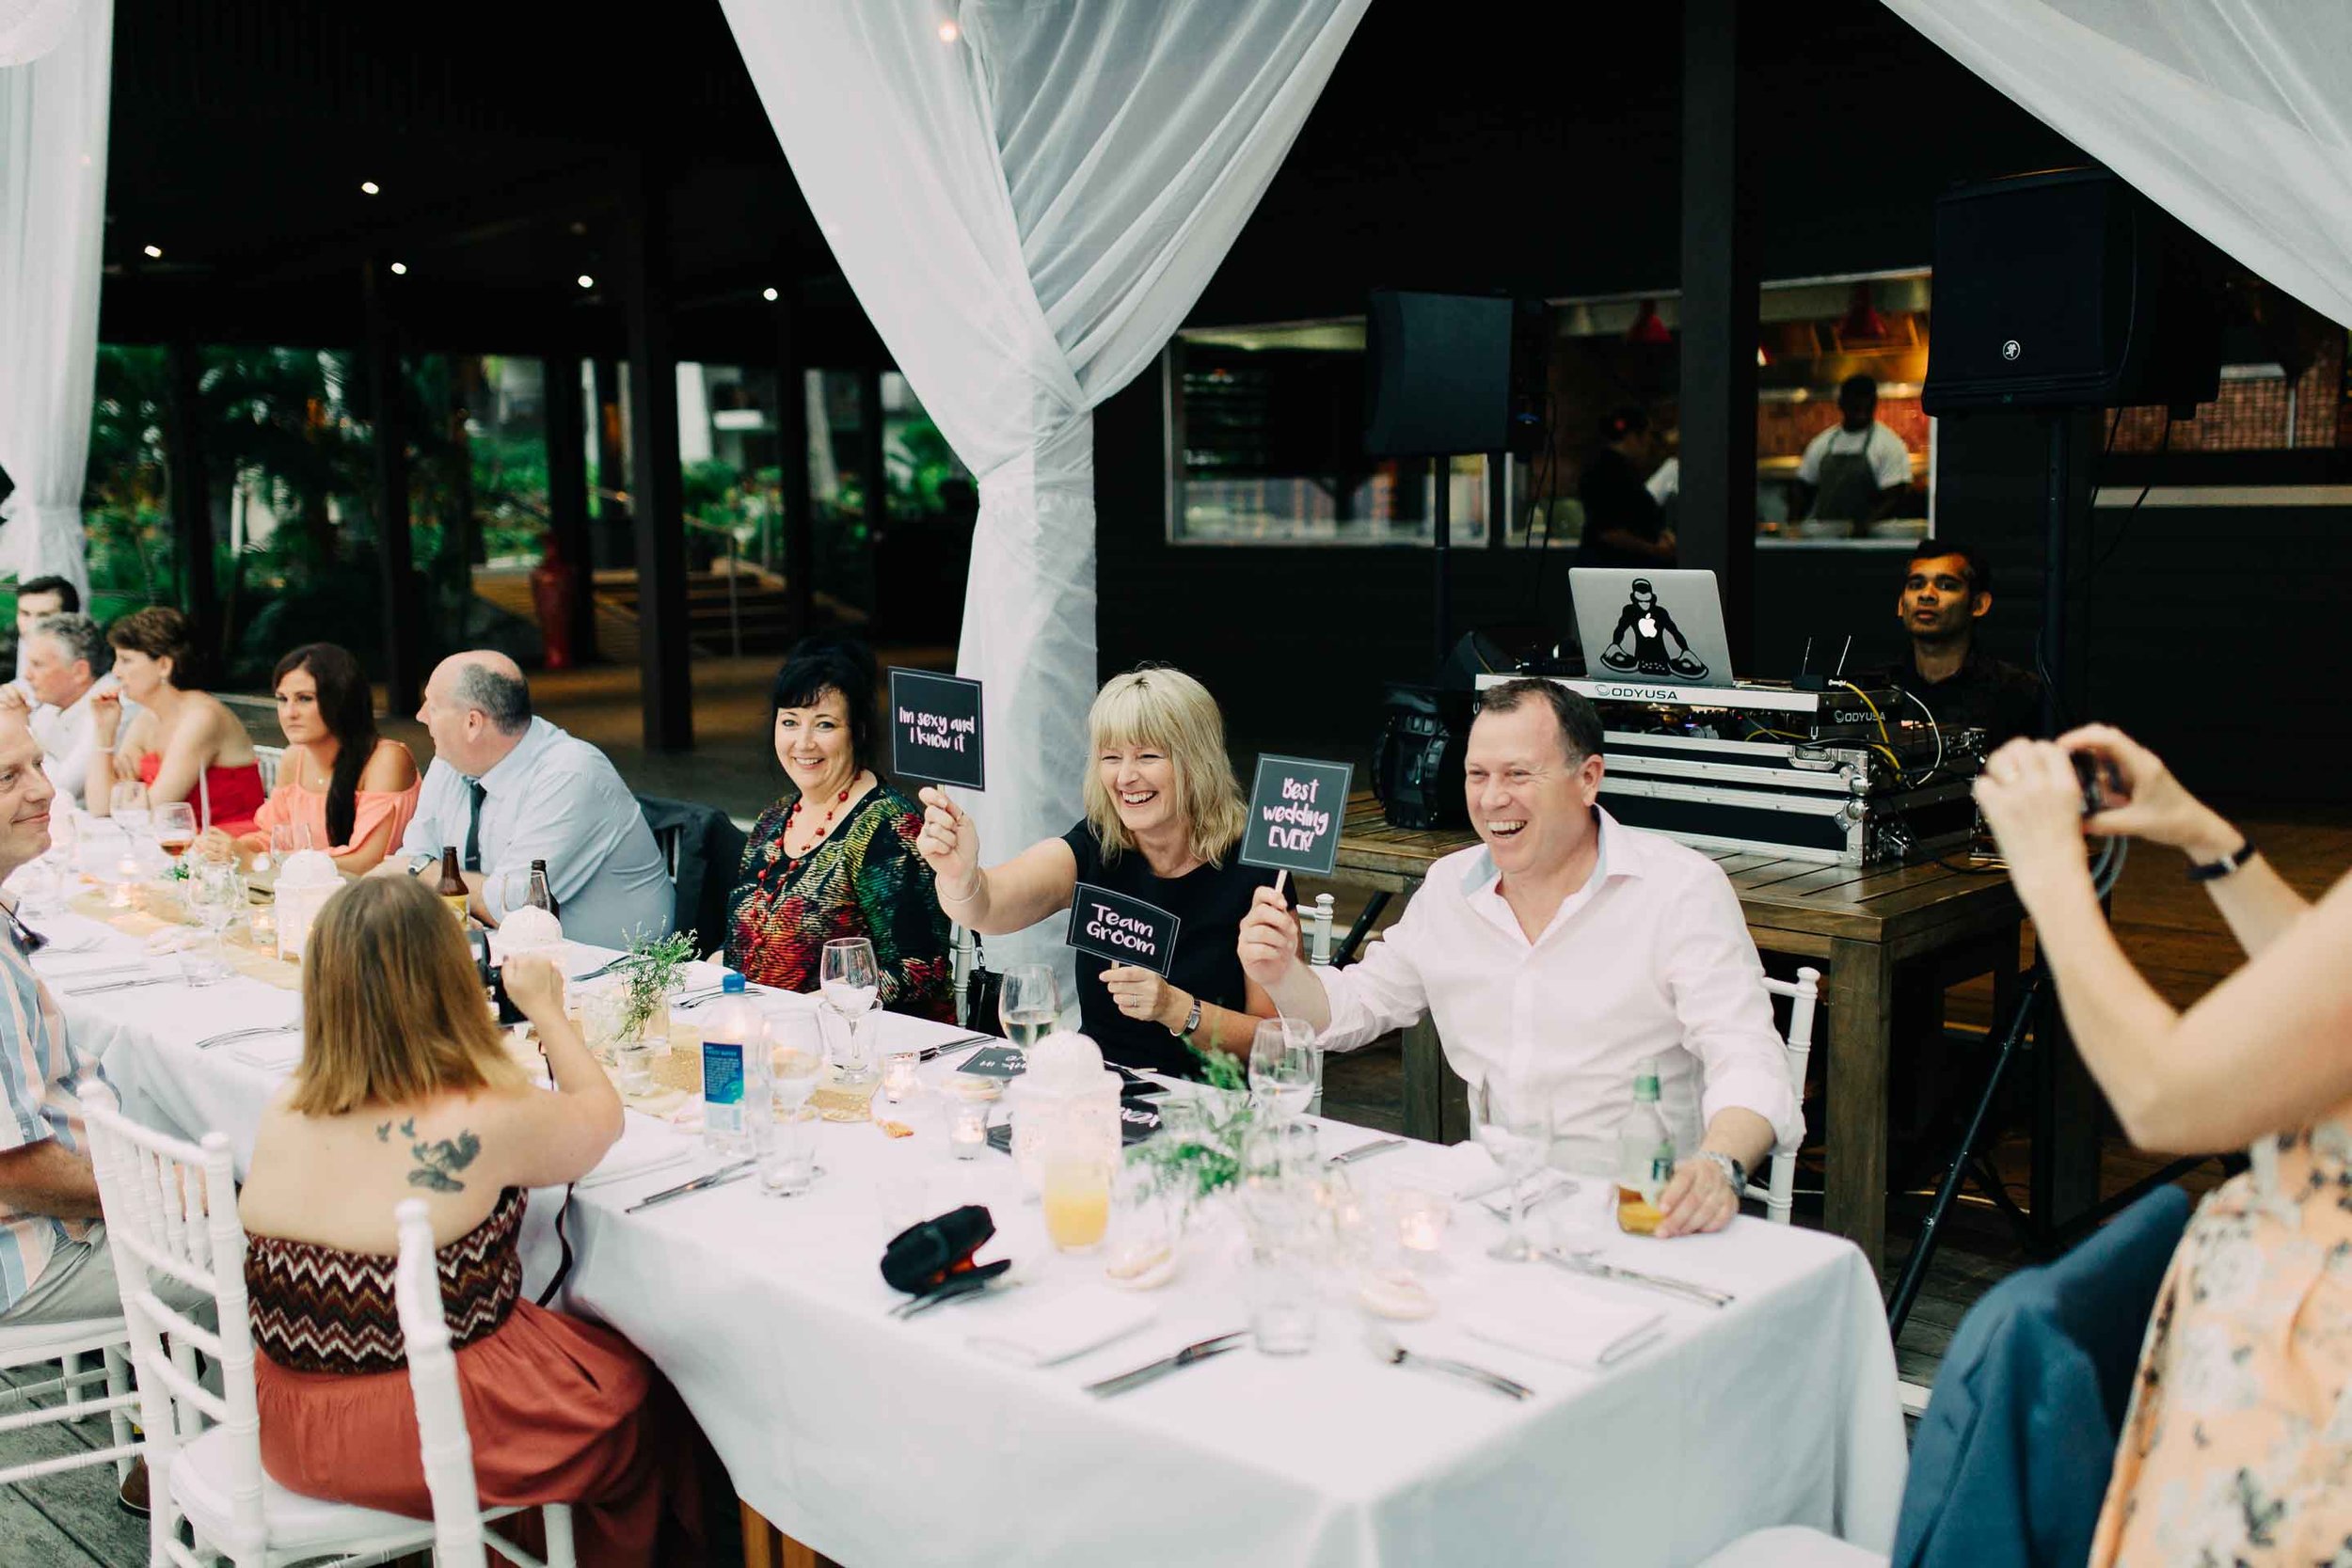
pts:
pixel 1365 1151
pixel 1166 1364
pixel 723 1174
pixel 932 1052
pixel 1577 1262
pixel 123 985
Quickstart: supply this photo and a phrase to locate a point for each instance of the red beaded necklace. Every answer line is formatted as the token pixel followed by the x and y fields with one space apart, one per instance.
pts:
pixel 824 829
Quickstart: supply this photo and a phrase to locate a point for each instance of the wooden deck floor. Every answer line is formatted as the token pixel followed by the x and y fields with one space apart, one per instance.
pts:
pixel 2165 923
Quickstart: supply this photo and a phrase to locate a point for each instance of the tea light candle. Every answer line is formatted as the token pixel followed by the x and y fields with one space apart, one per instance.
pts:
pixel 263 925
pixel 967 1130
pixel 1420 1222
pixel 126 876
pixel 897 1075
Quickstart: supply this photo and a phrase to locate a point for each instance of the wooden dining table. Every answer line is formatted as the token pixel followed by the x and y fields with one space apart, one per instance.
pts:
pixel 1866 927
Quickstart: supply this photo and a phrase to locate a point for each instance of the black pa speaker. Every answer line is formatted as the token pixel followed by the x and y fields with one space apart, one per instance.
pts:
pixel 1448 373
pixel 2069 290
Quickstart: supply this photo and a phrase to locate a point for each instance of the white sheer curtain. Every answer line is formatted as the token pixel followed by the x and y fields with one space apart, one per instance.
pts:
pixel 53 187
pixel 1028 197
pixel 2234 115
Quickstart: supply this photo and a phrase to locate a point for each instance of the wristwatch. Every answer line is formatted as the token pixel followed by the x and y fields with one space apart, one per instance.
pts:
pixel 418 863
pixel 2213 871
pixel 1734 1172
pixel 1192 1021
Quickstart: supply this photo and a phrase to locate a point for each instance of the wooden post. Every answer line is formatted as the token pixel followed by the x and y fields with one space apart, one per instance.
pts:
pixel 1717 525
pixel 191 495
pixel 657 488
pixel 568 498
pixel 404 648
pixel 800 505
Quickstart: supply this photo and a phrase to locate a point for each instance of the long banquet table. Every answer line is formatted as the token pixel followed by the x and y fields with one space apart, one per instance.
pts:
pixel 877 1441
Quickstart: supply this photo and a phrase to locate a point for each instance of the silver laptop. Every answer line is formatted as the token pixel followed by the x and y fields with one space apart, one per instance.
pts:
pixel 1656 626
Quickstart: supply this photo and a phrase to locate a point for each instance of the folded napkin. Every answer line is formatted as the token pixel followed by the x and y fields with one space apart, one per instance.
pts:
pixel 646 1146
pixel 1580 1329
pixel 1043 1332
pixel 270 1052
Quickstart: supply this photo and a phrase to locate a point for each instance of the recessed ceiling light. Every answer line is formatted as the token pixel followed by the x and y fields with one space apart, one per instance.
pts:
pixel 155 253
pixel 368 188
pixel 400 269
pixel 767 294
pixel 586 281
pixel 946 32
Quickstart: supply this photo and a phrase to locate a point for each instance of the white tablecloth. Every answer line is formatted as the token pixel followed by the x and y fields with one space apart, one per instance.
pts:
pixel 881 1442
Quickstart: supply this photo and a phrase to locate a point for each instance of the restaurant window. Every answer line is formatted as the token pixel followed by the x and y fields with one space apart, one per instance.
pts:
pixel 1265 438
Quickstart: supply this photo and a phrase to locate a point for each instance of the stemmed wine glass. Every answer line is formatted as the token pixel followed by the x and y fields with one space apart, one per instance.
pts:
pixel 1516 1131
pixel 285 839
pixel 127 804
pixel 850 983
pixel 174 825
pixel 1283 1062
pixel 1030 1004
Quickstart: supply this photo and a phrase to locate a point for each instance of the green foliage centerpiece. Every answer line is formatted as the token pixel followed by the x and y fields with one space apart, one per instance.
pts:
pixel 648 973
pixel 1197 1153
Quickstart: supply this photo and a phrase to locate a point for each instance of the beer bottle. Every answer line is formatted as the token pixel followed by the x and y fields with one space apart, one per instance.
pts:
pixel 451 886
pixel 542 895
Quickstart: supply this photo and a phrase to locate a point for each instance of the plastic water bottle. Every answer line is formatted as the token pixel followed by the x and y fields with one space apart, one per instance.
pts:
pixel 735 1071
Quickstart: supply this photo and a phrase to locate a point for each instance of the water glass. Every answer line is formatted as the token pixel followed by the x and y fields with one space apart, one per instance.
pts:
pixel 202 959
pixel 215 893
pixel 1285 1066
pixel 632 1066
pixel 1278 1288
pixel 898 1074
pixel 1030 1004
pixel 794 1059
pixel 788 1161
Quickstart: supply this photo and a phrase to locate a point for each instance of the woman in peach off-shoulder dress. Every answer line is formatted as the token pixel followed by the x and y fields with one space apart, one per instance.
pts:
pixel 2237 1448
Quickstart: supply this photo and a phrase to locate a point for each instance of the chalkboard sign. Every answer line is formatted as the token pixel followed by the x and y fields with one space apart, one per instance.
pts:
pixel 935 729
pixel 1295 809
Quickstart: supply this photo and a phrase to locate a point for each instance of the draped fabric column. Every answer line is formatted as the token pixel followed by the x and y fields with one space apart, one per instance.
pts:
pixel 1027 198
pixel 2234 115
pixel 54 59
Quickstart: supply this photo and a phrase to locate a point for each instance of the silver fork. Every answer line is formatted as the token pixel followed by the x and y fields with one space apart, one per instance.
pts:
pixel 210 1040
pixel 1397 1355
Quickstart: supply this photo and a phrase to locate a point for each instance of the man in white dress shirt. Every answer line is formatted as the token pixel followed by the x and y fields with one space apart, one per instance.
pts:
pixel 506 788
pixel 66 659
pixel 1564 953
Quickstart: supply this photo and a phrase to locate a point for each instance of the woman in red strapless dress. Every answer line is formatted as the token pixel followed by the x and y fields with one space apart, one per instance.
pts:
pixel 183 743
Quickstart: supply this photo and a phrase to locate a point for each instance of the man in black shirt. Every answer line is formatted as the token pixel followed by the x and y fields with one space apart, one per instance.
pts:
pixel 1624 525
pixel 1946 590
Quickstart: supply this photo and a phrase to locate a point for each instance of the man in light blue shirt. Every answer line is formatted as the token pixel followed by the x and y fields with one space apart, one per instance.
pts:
pixel 506 789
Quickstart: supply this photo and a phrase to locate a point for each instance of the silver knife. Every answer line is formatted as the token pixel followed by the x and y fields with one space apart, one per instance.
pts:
pixel 123 985
pixel 1166 1364
pixel 932 1052
pixel 1578 1264
pixel 1364 1152
pixel 723 1174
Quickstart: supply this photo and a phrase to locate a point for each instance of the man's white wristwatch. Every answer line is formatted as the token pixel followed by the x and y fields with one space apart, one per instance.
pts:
pixel 418 863
pixel 1734 1172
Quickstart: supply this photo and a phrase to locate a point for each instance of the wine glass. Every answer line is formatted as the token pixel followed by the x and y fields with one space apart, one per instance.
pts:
pixel 1284 1063
pixel 1030 1004
pixel 215 893
pixel 1516 1131
pixel 173 823
pixel 127 804
pixel 849 978
pixel 285 839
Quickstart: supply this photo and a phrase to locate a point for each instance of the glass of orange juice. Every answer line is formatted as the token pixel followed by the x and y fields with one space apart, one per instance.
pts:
pixel 1077 1196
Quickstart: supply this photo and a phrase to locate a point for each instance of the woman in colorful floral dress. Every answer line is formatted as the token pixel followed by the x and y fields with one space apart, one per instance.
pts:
pixel 2237 1449
pixel 836 856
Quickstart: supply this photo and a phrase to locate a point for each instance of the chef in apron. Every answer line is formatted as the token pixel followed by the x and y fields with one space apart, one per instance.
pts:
pixel 1858 471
